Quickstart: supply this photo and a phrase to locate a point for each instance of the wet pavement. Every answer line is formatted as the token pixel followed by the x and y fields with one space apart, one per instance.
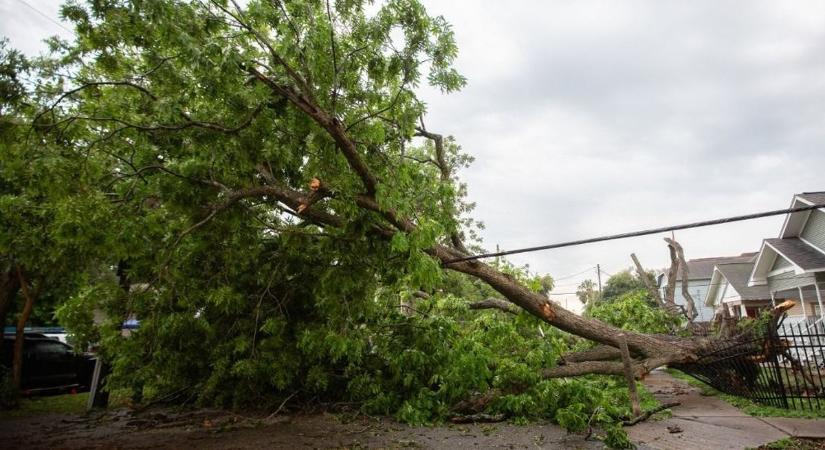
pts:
pixel 707 422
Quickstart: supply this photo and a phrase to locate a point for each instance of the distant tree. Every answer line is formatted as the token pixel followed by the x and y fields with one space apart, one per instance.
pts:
pixel 622 283
pixel 587 293
pixel 547 284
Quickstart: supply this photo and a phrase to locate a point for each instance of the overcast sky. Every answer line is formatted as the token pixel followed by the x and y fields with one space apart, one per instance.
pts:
pixel 589 118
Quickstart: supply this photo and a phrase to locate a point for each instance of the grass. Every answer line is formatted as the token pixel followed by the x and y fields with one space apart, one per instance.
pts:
pixel 748 406
pixel 68 404
pixel 56 404
pixel 790 443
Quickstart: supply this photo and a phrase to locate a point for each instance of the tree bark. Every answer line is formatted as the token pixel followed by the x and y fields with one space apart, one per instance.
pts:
pixel 670 289
pixel 654 293
pixel 9 285
pixel 494 303
pixel 680 255
pixel 19 338
pixel 631 380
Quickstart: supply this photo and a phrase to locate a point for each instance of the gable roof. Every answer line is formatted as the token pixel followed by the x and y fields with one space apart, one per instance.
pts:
pixel 802 256
pixel 798 253
pixel 795 222
pixel 702 268
pixel 814 198
pixel 738 275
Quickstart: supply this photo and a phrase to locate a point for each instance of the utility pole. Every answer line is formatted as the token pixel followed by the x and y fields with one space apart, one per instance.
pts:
pixel 599 277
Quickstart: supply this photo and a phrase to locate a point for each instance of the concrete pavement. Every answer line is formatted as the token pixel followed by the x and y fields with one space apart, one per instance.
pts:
pixel 708 422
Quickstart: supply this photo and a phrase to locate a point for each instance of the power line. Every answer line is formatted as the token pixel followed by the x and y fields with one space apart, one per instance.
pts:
pixel 46 16
pixel 777 212
pixel 574 274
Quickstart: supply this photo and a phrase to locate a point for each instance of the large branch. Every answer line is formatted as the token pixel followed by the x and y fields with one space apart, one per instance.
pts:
pixel 329 123
pixel 598 353
pixel 585 368
pixel 638 369
pixel 446 177
pixel 494 303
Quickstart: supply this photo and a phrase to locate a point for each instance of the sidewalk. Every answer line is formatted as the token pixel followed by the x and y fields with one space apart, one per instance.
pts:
pixel 710 422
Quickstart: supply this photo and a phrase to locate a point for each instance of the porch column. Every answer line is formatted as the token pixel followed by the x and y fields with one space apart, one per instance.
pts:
pixel 802 299
pixel 773 300
pixel 819 300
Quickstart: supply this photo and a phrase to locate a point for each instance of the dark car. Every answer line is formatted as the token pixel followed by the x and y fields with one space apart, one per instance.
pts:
pixel 50 366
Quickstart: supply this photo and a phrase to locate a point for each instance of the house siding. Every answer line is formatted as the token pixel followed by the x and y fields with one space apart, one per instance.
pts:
pixel 698 289
pixel 781 263
pixel 789 280
pixel 814 231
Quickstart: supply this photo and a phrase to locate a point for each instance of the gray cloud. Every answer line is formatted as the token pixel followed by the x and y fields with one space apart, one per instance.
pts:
pixel 590 118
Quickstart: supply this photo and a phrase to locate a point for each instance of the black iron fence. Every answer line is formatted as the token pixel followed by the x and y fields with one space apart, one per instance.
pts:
pixel 782 366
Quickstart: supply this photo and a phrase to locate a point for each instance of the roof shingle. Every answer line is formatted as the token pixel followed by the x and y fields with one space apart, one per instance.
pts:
pixel 738 275
pixel 817 198
pixel 702 268
pixel 798 252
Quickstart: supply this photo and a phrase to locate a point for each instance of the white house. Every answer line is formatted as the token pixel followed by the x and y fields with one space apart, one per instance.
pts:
pixel 792 266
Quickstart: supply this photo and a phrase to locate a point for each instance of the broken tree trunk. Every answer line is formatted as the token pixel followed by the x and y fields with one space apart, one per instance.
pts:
pixel 654 293
pixel 691 312
pixel 670 288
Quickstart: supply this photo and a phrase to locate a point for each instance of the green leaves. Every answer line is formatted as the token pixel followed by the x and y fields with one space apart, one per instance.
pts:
pixel 632 311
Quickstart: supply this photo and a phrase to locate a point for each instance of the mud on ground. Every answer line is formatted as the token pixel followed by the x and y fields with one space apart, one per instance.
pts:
pixel 213 429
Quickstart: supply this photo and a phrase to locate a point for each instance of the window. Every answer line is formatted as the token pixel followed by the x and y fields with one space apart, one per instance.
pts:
pixel 52 348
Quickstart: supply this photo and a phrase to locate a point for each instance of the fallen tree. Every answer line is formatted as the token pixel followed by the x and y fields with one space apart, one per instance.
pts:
pixel 269 178
pixel 348 94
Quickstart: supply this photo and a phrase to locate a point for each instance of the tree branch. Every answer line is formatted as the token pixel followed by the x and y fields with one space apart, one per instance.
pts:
pixel 494 303
pixel 331 124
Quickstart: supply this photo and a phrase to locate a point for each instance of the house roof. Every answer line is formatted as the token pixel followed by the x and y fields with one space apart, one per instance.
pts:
pixel 702 268
pixel 798 252
pixel 795 222
pixel 738 275
pixel 815 198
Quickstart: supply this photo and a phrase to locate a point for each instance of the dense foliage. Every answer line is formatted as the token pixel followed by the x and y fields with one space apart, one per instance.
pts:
pixel 632 311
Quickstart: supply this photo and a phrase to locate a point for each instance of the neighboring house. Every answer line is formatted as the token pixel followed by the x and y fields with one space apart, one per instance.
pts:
pixel 793 265
pixel 700 272
pixel 729 287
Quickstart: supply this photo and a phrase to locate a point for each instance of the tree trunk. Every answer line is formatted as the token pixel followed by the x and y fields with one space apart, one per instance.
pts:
pixel 9 285
pixel 19 339
pixel 656 351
